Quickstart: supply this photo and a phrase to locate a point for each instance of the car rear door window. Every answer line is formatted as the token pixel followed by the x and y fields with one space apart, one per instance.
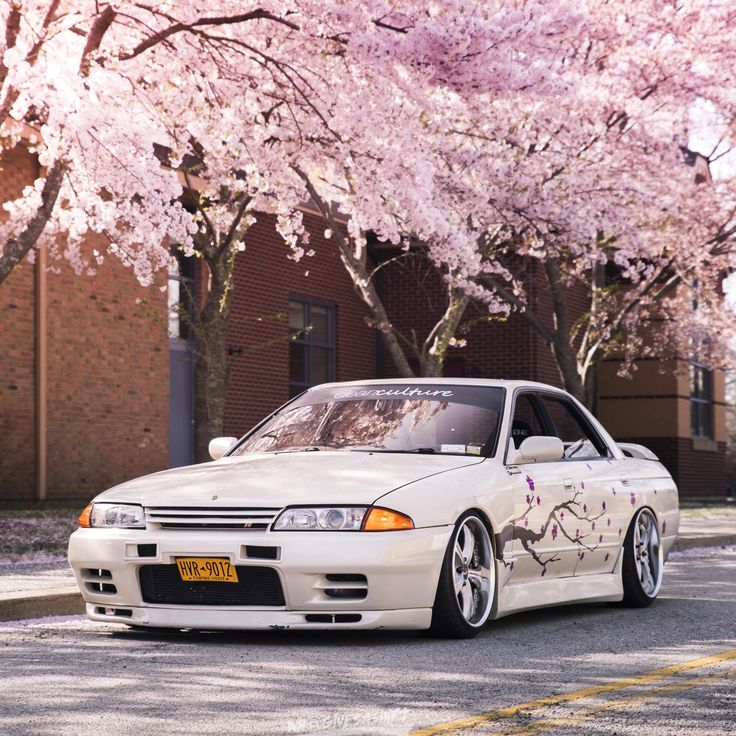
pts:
pixel 567 422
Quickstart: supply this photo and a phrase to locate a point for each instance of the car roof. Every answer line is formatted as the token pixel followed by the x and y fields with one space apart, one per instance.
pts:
pixel 496 382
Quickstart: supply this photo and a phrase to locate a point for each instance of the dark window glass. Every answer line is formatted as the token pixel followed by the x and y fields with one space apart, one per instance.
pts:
pixel 701 401
pixel 526 421
pixel 312 345
pixel 457 420
pixel 580 439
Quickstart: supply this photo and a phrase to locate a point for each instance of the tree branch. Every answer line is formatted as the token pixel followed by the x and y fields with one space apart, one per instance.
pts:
pixel 17 248
pixel 214 21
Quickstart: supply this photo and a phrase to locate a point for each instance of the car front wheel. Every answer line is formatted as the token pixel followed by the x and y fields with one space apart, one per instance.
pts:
pixel 643 561
pixel 467 586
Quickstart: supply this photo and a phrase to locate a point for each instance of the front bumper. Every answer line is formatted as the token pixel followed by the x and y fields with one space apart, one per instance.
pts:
pixel 401 571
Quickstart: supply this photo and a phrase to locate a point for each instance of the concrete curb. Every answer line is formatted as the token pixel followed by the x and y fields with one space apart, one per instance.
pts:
pixel 695 540
pixel 65 601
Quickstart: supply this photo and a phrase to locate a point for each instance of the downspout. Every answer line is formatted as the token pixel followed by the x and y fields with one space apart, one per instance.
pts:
pixel 41 304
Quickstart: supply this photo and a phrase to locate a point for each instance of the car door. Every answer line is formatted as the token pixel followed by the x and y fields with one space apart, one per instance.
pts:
pixel 594 501
pixel 547 499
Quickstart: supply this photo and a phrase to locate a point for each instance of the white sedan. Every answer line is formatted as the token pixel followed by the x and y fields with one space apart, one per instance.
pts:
pixel 426 504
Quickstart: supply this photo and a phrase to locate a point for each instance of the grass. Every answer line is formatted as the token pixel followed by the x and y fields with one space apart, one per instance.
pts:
pixel 36 533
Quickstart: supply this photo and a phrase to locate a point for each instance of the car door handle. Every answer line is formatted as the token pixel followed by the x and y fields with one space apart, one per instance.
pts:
pixel 569 485
pixel 624 480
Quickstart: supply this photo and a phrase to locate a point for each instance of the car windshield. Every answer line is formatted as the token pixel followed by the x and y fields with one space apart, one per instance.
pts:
pixel 442 419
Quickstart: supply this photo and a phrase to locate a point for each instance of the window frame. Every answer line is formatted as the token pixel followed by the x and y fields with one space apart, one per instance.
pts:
pixel 187 283
pixel 331 346
pixel 697 402
pixel 548 425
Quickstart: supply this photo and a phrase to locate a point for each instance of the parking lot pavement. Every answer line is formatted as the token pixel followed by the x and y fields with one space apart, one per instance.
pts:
pixel 585 669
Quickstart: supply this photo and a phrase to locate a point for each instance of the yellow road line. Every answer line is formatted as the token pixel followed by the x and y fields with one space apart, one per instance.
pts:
pixel 576 719
pixel 471 722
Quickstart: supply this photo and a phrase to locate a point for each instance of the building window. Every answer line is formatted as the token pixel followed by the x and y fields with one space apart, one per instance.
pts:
pixel 181 297
pixel 311 344
pixel 701 401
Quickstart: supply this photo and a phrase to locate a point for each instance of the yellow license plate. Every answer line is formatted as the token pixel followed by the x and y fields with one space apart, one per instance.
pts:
pixel 207 569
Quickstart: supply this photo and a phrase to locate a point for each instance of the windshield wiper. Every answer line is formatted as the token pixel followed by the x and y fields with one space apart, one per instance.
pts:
pixel 414 450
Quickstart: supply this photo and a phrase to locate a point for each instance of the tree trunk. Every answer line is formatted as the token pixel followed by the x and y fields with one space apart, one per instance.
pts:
pixel 561 345
pixel 439 340
pixel 17 248
pixel 210 364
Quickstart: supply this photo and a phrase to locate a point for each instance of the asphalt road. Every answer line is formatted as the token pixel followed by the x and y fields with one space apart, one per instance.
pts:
pixel 595 669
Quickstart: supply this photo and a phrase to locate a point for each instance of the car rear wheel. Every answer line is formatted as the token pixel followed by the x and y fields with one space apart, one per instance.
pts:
pixel 643 561
pixel 467 586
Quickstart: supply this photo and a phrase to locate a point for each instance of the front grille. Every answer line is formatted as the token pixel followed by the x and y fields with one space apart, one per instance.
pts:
pixel 208 517
pixel 256 586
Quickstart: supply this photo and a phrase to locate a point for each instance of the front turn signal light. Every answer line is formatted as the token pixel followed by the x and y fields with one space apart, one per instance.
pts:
pixel 85 517
pixel 385 520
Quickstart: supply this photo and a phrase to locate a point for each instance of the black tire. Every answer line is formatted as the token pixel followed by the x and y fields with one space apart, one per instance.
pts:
pixel 641 569
pixel 448 619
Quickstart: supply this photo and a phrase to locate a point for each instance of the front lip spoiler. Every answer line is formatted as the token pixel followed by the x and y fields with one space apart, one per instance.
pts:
pixel 242 618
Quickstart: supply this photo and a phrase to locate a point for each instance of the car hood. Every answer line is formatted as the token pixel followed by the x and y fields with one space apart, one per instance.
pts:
pixel 280 479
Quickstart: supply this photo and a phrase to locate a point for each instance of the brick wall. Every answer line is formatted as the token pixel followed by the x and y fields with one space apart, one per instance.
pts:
pixel 17 425
pixel 107 401
pixel 497 346
pixel 265 279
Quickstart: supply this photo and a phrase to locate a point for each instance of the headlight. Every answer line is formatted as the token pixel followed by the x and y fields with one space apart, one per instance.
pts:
pixel 113 515
pixel 325 518
pixel 341 519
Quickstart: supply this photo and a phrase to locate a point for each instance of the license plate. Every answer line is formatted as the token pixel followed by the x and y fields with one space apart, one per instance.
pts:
pixel 206 569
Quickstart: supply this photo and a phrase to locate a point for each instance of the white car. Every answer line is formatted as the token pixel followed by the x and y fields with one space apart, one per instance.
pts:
pixel 405 504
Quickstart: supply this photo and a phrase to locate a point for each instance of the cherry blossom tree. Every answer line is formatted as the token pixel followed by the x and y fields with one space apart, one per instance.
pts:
pixel 590 193
pixel 507 142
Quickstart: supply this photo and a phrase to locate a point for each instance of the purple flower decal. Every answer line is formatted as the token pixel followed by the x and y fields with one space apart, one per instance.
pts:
pixel 593 526
pixel 604 506
pixel 526 522
pixel 562 515
pixel 605 559
pixel 528 498
pixel 577 534
pixel 664 527
pixel 544 570
pixel 530 482
pixel 633 499
pixel 588 465
pixel 539 500
pixel 554 531
pixel 600 539
pixel 582 484
pixel 511 567
pixel 609 521
pixel 541 529
pixel 620 531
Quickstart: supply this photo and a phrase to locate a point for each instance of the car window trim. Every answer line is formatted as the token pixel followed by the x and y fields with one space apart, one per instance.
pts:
pixel 548 425
pixel 582 419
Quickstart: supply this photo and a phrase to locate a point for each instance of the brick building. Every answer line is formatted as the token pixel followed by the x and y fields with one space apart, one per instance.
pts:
pixel 96 390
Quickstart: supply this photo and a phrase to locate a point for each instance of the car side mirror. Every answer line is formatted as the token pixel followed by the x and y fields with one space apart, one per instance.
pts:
pixel 540 449
pixel 220 445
